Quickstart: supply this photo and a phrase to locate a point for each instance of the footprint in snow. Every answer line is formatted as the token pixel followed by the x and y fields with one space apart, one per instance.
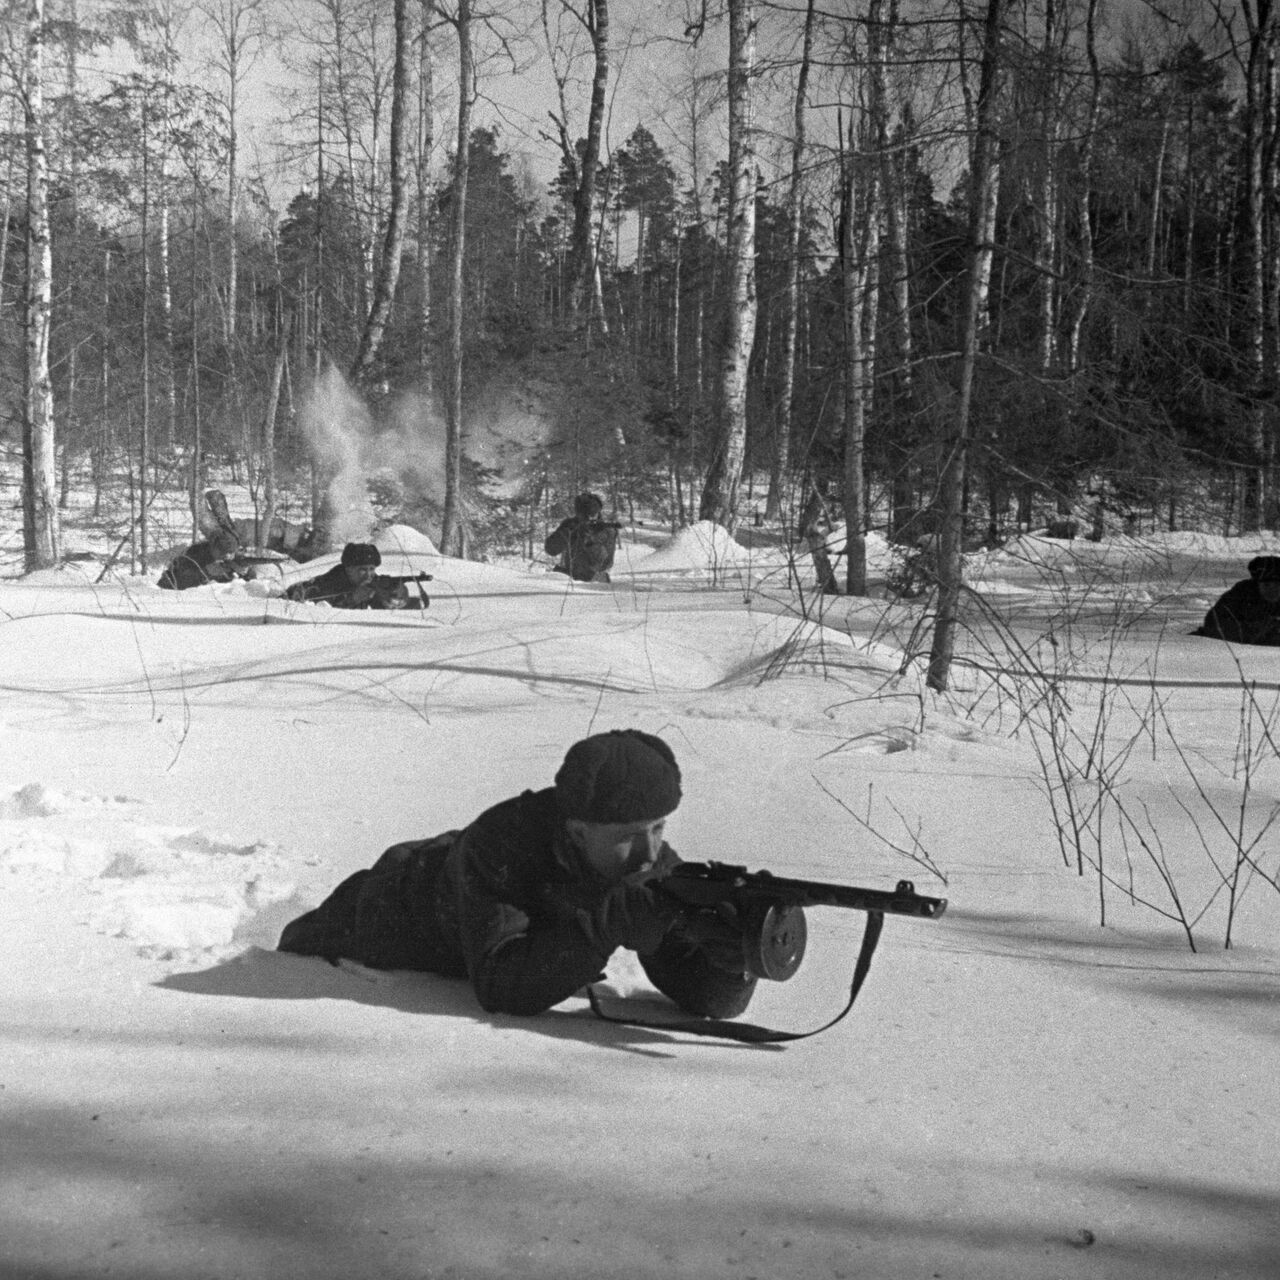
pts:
pixel 174 892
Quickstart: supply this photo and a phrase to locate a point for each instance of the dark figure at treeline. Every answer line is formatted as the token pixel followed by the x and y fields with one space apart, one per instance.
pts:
pixel 212 560
pixel 584 542
pixel 1249 612
pixel 355 583
pixel 531 900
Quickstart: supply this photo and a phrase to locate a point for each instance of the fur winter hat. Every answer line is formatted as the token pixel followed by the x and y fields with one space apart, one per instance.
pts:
pixel 1265 568
pixel 588 505
pixel 620 776
pixel 359 555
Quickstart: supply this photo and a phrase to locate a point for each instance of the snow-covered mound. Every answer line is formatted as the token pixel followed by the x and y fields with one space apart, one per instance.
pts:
pixel 406 540
pixel 699 548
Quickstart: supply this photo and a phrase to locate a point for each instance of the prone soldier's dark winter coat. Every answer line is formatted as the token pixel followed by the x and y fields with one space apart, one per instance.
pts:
pixel 336 589
pixel 1242 616
pixel 501 903
pixel 194 567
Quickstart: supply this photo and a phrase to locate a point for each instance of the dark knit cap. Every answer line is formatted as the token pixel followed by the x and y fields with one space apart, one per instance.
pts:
pixel 1265 568
pixel 620 776
pixel 358 555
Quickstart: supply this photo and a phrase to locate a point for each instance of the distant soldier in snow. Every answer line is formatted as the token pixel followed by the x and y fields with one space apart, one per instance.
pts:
pixel 355 583
pixel 212 560
pixel 531 900
pixel 584 542
pixel 1249 612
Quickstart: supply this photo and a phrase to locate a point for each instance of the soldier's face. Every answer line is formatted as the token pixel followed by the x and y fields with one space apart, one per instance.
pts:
pixel 617 850
pixel 359 574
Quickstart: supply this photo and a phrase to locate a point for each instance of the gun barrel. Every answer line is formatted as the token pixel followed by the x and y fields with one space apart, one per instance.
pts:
pixel 708 883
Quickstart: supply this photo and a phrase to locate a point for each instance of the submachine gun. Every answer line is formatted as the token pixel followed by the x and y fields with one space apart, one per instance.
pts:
pixel 769 911
pixel 391 590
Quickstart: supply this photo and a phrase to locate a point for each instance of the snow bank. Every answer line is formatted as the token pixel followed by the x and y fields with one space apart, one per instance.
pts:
pixel 697 547
pixel 406 540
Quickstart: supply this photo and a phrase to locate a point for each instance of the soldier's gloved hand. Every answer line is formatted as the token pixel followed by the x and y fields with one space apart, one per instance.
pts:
pixel 631 916
pixel 718 936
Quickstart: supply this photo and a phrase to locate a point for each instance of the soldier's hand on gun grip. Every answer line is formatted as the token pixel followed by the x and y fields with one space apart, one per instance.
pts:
pixel 718 935
pixel 630 916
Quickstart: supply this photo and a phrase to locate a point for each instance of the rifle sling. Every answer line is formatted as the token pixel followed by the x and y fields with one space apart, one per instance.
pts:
pixel 747 1032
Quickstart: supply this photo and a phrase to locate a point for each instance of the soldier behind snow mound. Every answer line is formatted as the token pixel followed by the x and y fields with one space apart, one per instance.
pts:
pixel 584 542
pixel 213 560
pixel 355 583
pixel 531 900
pixel 1249 612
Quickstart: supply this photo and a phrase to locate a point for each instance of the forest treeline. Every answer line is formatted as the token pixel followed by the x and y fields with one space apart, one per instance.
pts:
pixel 973 264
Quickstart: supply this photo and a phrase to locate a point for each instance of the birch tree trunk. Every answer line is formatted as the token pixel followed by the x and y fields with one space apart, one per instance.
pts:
pixel 582 245
pixel 196 485
pixel 860 253
pixel 720 490
pixel 902 353
pixel 40 527
pixel 1046 250
pixel 144 335
pixel 426 144
pixel 1084 217
pixel 859 249
pixel 384 288
pixel 162 247
pixel 233 200
pixel 451 539
pixel 6 201
pixel 1261 21
pixel 268 474
pixel 238 27
pixel 72 144
pixel 1271 279
pixel 795 212
pixel 982 209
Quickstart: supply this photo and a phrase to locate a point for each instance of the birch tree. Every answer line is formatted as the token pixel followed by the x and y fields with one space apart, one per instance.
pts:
pixel 720 489
pixel 393 242
pixel 582 162
pixel 1260 89
pixel 239 30
pixel 860 279
pixel 983 183
pixel 781 463
pixel 451 538
pixel 40 526
pixel 163 58
pixel 1084 285
pixel 426 144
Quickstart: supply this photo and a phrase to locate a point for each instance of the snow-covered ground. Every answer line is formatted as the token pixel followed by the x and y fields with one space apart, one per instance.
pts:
pixel 1019 1093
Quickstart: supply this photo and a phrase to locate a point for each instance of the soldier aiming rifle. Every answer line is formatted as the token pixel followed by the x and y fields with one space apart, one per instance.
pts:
pixel 355 583
pixel 584 542
pixel 217 558
pixel 531 899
